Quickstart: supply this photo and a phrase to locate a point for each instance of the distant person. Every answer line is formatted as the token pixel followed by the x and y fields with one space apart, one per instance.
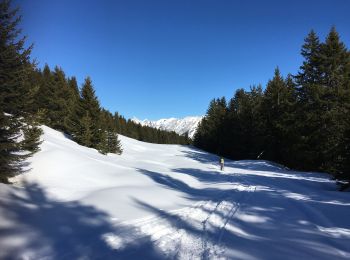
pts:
pixel 222 162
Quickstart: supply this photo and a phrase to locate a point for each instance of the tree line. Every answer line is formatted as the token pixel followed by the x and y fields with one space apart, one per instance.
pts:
pixel 301 121
pixel 31 96
pixel 62 105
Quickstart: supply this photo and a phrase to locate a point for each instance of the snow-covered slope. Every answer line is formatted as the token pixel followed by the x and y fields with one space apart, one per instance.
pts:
pixel 167 201
pixel 181 126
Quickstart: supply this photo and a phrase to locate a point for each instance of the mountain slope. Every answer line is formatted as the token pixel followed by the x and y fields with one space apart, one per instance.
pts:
pixel 181 126
pixel 167 201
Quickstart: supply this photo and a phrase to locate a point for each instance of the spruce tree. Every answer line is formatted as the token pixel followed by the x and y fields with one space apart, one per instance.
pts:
pixel 46 99
pixel 209 133
pixel 86 132
pixel 15 95
pixel 91 106
pixel 61 97
pixel 244 119
pixel 75 110
pixel 335 83
pixel 277 106
pixel 309 107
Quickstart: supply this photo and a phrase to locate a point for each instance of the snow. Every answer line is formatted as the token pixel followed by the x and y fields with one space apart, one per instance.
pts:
pixel 167 201
pixel 181 126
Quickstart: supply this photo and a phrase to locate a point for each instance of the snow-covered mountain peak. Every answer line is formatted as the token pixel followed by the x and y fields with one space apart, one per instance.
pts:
pixel 181 126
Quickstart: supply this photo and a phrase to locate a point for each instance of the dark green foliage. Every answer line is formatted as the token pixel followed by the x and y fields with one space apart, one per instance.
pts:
pixel 60 104
pixel 9 160
pixel 109 139
pixel 246 133
pixel 277 108
pixel 323 105
pixel 16 96
pixel 31 139
pixel 86 135
pixel 75 110
pixel 211 127
pixel 91 106
pixel 301 121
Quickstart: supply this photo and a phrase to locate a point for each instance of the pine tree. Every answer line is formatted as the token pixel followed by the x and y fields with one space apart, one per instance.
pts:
pixel 91 105
pixel 301 121
pixel 75 110
pixel 335 83
pixel 102 146
pixel 86 134
pixel 15 95
pixel 61 96
pixel 322 95
pixel 278 104
pixel 112 142
pixel 309 107
pixel 109 140
pixel 209 132
pixel 46 100
pixel 309 71
pixel 244 123
pixel 9 160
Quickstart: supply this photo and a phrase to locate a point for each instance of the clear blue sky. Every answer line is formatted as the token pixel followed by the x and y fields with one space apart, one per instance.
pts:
pixel 169 58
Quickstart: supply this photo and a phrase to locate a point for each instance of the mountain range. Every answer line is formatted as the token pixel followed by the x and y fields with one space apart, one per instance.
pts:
pixel 181 126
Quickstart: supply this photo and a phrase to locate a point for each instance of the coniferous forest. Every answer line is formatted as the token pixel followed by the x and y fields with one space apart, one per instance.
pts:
pixel 301 121
pixel 31 96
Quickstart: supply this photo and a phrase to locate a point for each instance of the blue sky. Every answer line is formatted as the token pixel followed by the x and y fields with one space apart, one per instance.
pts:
pixel 169 58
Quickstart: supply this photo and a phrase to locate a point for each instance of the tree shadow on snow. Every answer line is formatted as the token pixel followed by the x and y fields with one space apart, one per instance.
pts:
pixel 62 230
pixel 192 193
pixel 201 156
pixel 270 224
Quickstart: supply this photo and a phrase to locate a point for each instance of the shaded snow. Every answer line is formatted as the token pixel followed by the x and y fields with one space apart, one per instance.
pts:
pixel 167 201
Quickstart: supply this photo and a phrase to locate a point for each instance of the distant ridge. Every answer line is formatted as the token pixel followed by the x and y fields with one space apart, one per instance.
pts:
pixel 181 126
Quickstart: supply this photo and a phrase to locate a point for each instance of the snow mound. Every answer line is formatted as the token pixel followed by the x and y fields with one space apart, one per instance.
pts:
pixel 167 201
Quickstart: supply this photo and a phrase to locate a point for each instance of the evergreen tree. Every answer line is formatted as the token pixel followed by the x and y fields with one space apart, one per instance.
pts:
pixel 102 146
pixel 46 100
pixel 61 96
pixel 15 95
pixel 309 72
pixel 335 83
pixel 244 123
pixel 75 110
pixel 113 143
pixel 310 107
pixel 109 139
pixel 321 111
pixel 300 121
pixel 86 134
pixel 277 106
pixel 209 132
pixel 91 105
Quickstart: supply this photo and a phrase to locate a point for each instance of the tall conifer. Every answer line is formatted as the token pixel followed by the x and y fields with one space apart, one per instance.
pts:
pixel 15 95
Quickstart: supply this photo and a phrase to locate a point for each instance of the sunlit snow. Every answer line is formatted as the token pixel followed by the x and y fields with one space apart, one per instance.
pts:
pixel 167 201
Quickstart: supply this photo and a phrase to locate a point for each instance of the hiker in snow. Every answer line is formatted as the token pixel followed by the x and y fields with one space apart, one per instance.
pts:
pixel 222 163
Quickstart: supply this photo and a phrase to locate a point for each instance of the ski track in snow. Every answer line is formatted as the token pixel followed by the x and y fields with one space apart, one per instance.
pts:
pixel 78 204
pixel 175 242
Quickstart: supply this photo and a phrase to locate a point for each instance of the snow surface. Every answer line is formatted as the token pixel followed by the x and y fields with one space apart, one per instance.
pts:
pixel 181 126
pixel 167 201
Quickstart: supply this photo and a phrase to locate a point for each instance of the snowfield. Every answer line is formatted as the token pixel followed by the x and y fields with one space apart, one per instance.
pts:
pixel 167 202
